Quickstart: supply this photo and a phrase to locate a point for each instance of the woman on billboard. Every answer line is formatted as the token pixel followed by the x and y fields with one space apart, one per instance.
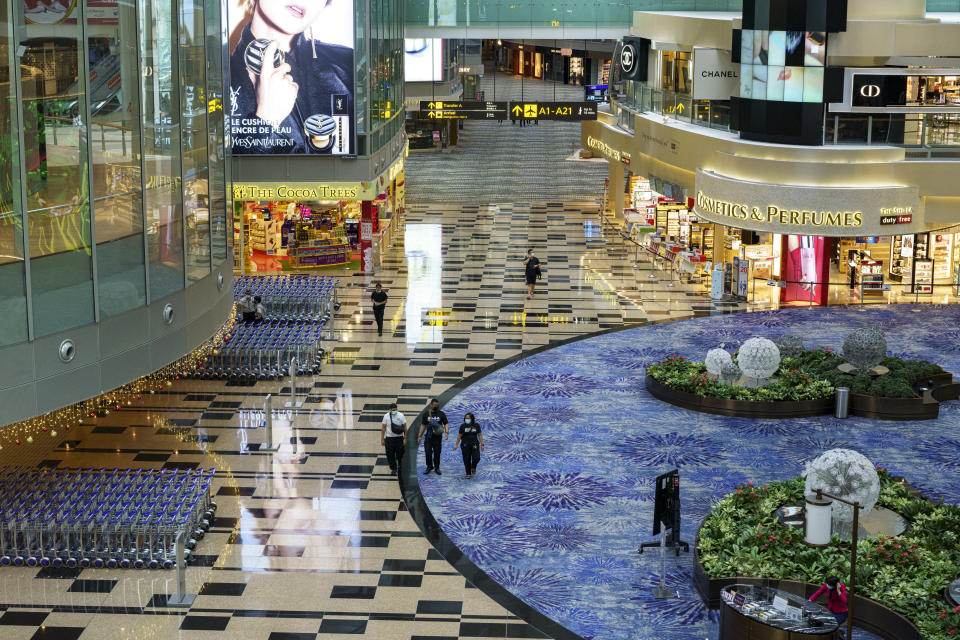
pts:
pixel 291 94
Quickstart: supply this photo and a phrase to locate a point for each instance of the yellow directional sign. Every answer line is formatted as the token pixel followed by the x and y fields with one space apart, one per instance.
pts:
pixel 530 111
pixel 517 110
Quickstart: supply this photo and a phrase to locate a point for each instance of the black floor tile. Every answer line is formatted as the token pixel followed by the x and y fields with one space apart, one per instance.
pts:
pixel 224 523
pixel 285 635
pixel 222 588
pixel 360 593
pixel 216 415
pixel 404 565
pixel 236 491
pixel 433 554
pixel 92 586
pixel 204 623
pixel 348 484
pixel 225 405
pixel 355 468
pixel 181 465
pixel 23 618
pixel 440 606
pixel 59 573
pixel 109 430
pixel 203 560
pixel 369 541
pixel 158 600
pixel 182 422
pixel 378 515
pixel 343 626
pixel 49 464
pixel 152 457
pixel 57 633
pixel 198 397
pixel 400 580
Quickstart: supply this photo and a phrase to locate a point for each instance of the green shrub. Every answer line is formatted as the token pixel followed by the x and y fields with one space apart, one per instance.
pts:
pixel 908 573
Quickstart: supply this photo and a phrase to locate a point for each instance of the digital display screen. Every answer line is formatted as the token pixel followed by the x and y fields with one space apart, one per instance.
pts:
pixel 782 66
pixel 291 78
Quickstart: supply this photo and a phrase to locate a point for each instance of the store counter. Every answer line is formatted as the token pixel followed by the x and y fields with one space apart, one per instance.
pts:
pixel 760 613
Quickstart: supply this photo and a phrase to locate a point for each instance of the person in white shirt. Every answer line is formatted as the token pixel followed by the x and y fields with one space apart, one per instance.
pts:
pixel 393 436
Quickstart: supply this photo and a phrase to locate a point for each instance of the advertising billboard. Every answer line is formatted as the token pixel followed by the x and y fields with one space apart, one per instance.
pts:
pixel 423 60
pixel 291 77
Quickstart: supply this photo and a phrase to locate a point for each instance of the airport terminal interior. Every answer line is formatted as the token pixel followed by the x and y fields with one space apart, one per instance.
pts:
pixel 273 276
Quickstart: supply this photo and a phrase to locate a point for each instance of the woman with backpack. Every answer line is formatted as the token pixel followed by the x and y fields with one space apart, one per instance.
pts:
pixel 435 426
pixel 470 441
pixel 393 436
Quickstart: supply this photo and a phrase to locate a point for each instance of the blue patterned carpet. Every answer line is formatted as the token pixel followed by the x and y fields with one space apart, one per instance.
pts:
pixel 564 493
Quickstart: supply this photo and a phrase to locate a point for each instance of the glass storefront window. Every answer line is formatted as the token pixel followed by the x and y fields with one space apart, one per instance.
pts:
pixel 216 129
pixel 56 135
pixel 161 147
pixel 13 300
pixel 193 142
pixel 115 150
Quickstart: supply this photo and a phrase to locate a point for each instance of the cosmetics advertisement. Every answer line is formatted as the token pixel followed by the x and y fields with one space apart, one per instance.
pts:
pixel 803 265
pixel 291 77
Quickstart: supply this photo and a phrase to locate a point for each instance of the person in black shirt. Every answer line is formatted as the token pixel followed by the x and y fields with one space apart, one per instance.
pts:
pixel 532 271
pixel 379 300
pixel 436 428
pixel 470 441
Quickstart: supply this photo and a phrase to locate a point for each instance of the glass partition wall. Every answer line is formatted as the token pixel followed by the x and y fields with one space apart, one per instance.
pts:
pixel 113 157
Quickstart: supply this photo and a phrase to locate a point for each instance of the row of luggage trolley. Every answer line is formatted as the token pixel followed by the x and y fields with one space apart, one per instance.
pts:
pixel 300 298
pixel 298 314
pixel 112 518
pixel 263 351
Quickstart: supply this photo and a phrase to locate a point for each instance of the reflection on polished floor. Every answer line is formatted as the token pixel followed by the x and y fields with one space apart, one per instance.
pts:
pixel 315 538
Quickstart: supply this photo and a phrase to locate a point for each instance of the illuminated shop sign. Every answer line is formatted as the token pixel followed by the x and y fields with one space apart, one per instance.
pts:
pixel 779 215
pixel 606 150
pixel 807 209
pixel 888 90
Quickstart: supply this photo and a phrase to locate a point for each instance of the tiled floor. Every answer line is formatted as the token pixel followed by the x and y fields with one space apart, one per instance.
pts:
pixel 314 541
pixel 314 538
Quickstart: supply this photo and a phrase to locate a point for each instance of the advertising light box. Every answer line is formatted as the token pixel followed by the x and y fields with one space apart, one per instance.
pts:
pixel 423 60
pixel 291 78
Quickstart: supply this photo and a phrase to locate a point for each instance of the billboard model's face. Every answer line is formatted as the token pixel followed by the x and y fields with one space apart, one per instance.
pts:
pixel 288 17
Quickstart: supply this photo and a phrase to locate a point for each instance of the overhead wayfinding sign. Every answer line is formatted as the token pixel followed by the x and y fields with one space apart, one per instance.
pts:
pixel 564 111
pixel 481 110
pixel 463 110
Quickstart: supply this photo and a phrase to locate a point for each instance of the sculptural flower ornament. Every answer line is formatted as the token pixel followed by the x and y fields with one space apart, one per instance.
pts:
pixel 715 360
pixel 847 474
pixel 864 348
pixel 758 358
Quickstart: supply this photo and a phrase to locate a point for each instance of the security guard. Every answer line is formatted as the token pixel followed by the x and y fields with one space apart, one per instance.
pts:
pixel 437 429
pixel 470 441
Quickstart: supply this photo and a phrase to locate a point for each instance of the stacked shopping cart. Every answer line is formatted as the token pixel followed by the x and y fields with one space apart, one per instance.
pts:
pixel 102 517
pixel 298 315
pixel 292 298
pixel 264 350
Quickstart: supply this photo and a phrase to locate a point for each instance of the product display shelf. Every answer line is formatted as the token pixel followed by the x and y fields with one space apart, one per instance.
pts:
pixel 871 277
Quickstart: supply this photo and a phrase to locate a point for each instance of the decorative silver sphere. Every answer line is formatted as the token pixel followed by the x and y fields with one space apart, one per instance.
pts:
pixel 865 348
pixel 759 358
pixel 715 360
pixel 790 346
pixel 730 372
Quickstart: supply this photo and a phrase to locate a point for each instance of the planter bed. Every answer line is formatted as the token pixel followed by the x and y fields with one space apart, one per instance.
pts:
pixel 739 408
pixel 926 407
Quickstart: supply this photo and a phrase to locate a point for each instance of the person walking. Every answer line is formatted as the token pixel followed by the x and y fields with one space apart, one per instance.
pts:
pixel 470 441
pixel 379 300
pixel 259 310
pixel 836 598
pixel 393 436
pixel 434 429
pixel 531 271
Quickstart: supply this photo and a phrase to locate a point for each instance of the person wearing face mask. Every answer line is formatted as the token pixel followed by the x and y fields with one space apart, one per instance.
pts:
pixel 470 441
pixel 436 428
pixel 281 76
pixel 531 271
pixel 393 436
pixel 836 598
